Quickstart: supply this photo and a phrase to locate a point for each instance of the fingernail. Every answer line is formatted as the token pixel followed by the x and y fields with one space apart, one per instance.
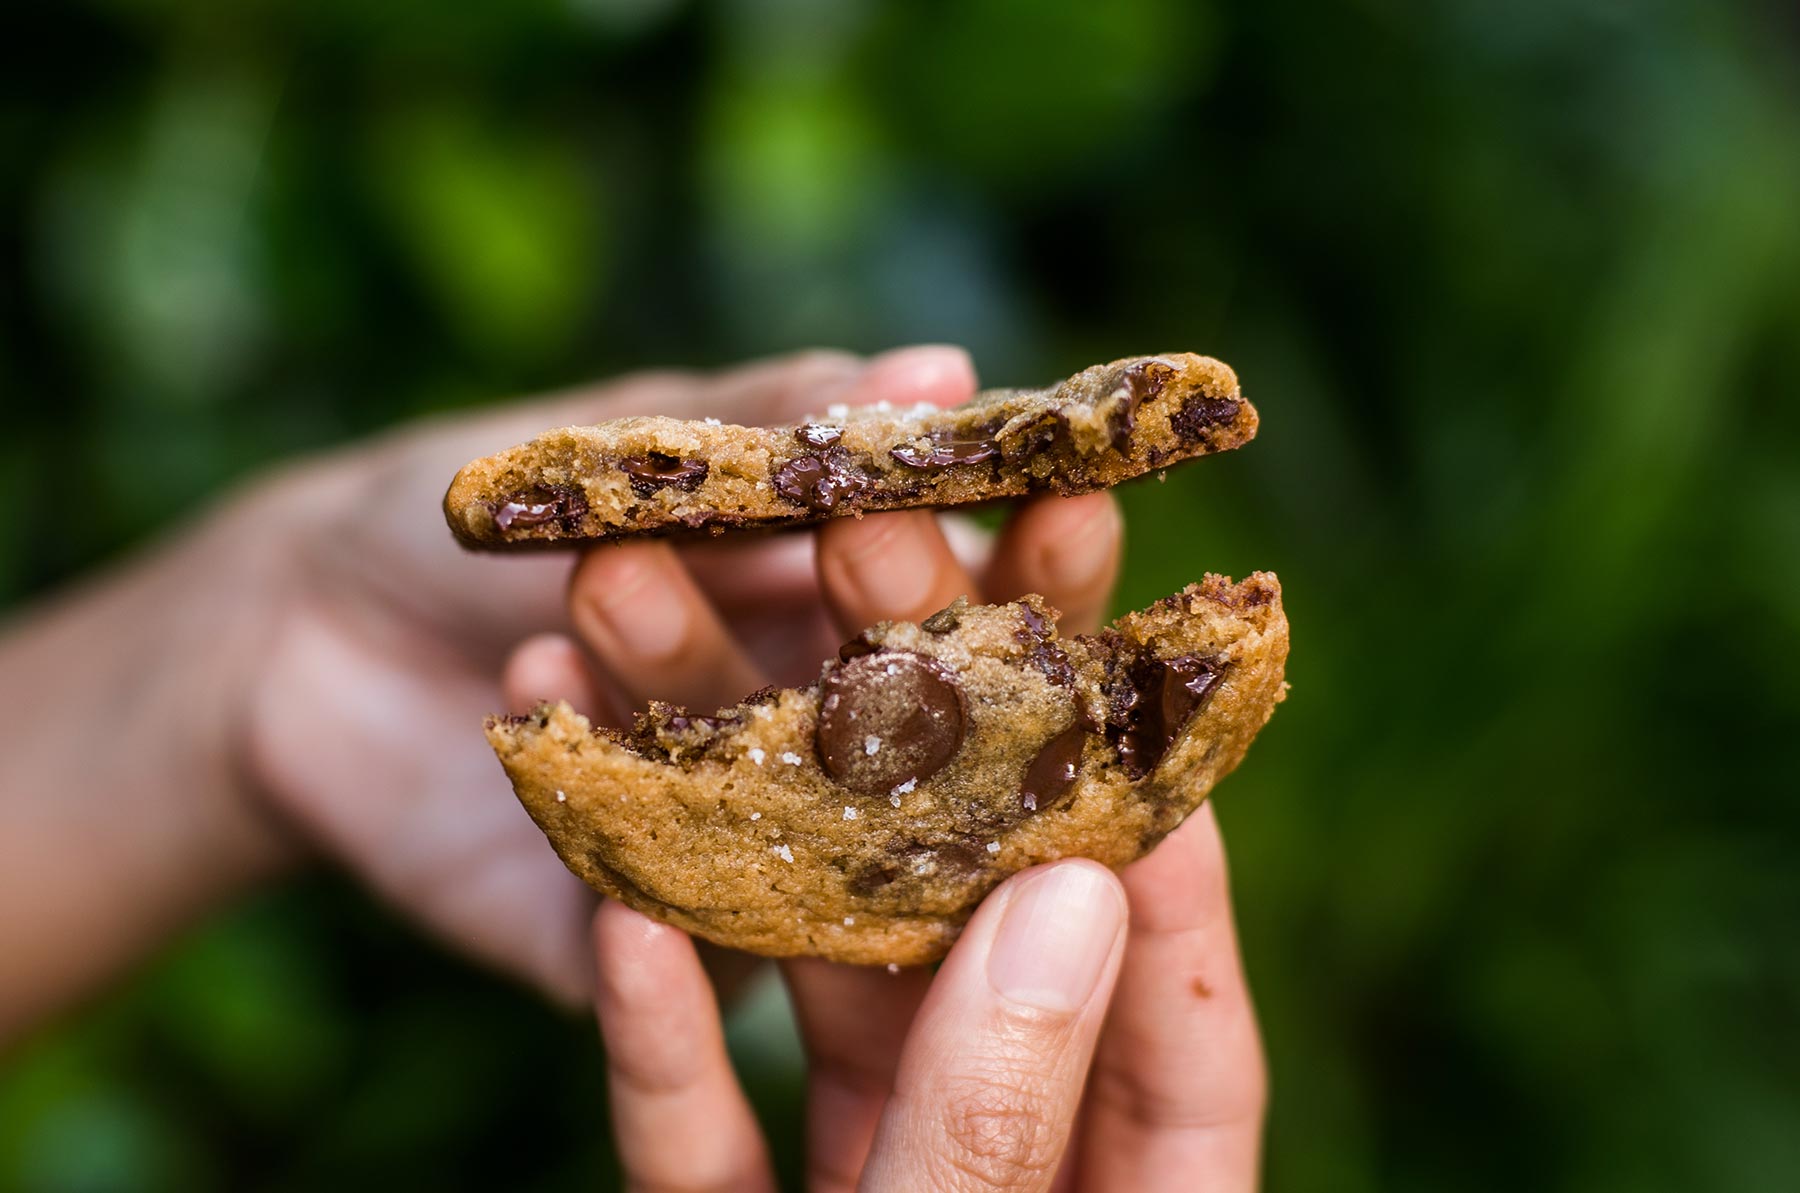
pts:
pixel 1074 561
pixel 1056 933
pixel 644 613
pixel 894 564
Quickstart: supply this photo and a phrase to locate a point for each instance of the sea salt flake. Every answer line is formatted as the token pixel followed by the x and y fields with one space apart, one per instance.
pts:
pixel 871 744
pixel 791 758
pixel 1030 802
pixel 757 755
pixel 756 815
pixel 560 797
pixel 784 853
pixel 993 847
pixel 837 410
pixel 713 422
pixel 893 968
pixel 849 920
pixel 849 813
pixel 893 669
pixel 906 787
pixel 894 798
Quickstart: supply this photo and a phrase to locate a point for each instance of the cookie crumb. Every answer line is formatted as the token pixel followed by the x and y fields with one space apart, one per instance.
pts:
pixel 849 812
pixel 784 853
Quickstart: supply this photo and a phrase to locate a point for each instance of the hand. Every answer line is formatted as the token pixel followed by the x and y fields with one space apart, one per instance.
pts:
pixel 366 691
pixel 975 1082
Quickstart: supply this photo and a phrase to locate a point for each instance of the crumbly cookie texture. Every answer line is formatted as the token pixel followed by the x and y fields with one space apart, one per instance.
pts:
pixel 862 817
pixel 664 476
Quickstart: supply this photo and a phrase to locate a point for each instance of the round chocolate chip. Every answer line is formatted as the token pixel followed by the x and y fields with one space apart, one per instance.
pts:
pixel 887 719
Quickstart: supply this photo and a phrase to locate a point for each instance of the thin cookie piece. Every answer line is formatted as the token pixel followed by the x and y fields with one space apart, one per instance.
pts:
pixel 862 817
pixel 665 476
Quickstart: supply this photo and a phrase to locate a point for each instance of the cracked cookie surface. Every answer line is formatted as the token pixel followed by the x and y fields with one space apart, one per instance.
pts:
pixel 862 817
pixel 664 476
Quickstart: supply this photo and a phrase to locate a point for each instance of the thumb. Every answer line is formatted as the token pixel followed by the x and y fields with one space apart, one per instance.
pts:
pixel 991 1075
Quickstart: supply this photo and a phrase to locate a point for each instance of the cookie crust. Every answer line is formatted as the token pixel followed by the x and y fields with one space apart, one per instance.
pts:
pixel 664 476
pixel 735 828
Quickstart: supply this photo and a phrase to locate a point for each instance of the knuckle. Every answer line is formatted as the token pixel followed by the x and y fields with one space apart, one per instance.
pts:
pixel 999 1130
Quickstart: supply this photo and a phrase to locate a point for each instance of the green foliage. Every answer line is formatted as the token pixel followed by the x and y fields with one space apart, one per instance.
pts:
pixel 1516 288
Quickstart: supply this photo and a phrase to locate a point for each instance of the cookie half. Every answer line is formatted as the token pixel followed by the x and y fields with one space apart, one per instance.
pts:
pixel 661 476
pixel 863 817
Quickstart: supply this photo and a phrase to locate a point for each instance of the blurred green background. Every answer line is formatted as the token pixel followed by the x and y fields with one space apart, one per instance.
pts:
pixel 1516 288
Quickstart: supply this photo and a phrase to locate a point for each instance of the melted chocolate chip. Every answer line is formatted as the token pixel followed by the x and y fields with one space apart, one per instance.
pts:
pixel 1200 412
pixel 946 453
pixel 1150 713
pixel 1050 658
pixel 818 435
pixel 820 482
pixel 1052 772
pixel 1143 381
pixel 656 470
pixel 888 719
pixel 539 506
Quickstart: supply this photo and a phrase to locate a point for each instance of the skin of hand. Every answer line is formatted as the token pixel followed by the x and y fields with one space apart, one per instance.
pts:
pixel 303 672
pixel 1087 1032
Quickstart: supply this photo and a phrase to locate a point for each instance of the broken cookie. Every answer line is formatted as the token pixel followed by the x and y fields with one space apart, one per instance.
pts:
pixel 661 476
pixel 862 817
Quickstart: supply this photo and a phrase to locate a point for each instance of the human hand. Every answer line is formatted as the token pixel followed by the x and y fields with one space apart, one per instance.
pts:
pixel 974 1079
pixel 366 688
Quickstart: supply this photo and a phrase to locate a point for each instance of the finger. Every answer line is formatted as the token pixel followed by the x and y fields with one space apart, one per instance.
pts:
pixel 653 630
pixel 991 1076
pixel 895 566
pixel 551 667
pixel 853 1023
pixel 681 1119
pixel 1066 549
pixel 1176 1098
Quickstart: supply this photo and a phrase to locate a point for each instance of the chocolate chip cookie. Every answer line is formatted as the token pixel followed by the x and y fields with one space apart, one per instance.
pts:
pixel 641 476
pixel 863 817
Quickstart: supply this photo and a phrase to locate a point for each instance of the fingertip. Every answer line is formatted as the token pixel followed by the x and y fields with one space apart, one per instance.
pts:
pixel 1066 549
pixel 547 667
pixel 894 566
pixel 931 374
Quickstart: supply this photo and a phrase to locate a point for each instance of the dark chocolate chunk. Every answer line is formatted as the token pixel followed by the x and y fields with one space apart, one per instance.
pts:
pixel 536 507
pixel 888 719
pixel 1143 381
pixel 1052 772
pixel 1150 714
pixel 1049 657
pixel 818 435
pixel 657 470
pixel 820 482
pixel 946 452
pixel 1200 412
